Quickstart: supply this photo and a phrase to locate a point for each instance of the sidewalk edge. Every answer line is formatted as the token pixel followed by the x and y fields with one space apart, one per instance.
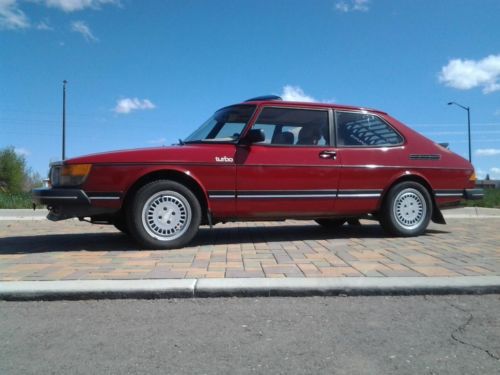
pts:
pixel 96 289
pixel 245 287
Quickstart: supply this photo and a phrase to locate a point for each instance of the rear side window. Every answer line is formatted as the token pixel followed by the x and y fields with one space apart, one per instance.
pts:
pixel 364 130
pixel 294 127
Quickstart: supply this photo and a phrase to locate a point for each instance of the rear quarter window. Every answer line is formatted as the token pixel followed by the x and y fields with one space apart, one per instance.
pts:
pixel 356 129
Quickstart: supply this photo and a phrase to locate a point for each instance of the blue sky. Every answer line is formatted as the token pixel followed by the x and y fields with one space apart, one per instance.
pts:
pixel 145 73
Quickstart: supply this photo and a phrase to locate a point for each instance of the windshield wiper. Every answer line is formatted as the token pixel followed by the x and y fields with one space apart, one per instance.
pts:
pixel 181 142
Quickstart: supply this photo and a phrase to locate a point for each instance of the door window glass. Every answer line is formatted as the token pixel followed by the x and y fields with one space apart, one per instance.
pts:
pixel 294 127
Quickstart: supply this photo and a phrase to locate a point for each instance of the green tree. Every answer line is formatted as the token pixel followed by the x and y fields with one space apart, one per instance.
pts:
pixel 32 180
pixel 12 170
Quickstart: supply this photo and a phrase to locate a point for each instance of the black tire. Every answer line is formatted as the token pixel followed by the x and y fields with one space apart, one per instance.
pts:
pixel 331 223
pixel 164 215
pixel 120 223
pixel 407 209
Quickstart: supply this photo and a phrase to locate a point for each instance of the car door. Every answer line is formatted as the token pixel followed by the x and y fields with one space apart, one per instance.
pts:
pixel 294 171
pixel 210 152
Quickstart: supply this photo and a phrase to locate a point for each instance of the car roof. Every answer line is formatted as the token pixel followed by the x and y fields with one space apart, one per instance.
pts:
pixel 279 102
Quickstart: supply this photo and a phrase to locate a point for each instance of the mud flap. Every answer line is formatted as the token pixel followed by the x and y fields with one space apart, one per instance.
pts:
pixel 437 216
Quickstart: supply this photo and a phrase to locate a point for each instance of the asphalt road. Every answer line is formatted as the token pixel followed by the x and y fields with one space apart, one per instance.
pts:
pixel 357 335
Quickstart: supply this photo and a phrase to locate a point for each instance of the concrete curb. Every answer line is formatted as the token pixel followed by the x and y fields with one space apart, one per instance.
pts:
pixel 248 287
pixel 23 214
pixel 472 217
pixel 471 213
pixel 95 289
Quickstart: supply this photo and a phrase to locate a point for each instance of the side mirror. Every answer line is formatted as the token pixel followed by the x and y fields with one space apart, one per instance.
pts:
pixel 254 136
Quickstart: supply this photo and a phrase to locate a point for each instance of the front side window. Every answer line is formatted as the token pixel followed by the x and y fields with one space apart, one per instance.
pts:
pixel 364 130
pixel 288 126
pixel 225 125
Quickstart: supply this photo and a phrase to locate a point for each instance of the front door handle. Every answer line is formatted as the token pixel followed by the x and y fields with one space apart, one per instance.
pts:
pixel 328 154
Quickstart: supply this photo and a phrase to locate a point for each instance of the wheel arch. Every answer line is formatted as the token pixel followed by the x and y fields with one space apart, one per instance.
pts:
pixel 181 177
pixel 437 216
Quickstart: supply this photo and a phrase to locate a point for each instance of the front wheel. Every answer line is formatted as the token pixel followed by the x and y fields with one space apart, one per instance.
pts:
pixel 164 215
pixel 407 209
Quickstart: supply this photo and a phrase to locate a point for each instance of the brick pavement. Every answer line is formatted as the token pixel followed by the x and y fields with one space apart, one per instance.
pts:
pixel 71 250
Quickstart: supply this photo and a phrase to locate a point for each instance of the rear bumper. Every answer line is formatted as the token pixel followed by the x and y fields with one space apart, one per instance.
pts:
pixel 67 203
pixel 473 194
pixel 470 194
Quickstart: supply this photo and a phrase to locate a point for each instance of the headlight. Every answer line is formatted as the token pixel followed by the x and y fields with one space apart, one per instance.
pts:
pixel 70 174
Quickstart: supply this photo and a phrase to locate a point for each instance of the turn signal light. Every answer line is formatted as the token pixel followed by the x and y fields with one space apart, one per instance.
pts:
pixel 473 177
pixel 76 169
pixel 74 174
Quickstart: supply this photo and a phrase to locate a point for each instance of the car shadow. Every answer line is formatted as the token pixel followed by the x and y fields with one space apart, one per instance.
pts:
pixel 117 241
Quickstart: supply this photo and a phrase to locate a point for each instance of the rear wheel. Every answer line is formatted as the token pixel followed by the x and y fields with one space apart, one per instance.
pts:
pixel 407 209
pixel 164 215
pixel 331 223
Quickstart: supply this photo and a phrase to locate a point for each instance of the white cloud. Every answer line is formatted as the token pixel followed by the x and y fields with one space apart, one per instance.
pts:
pixel 76 5
pixel 11 17
pixel 21 151
pixel 342 6
pixel 128 105
pixel 295 94
pixel 468 74
pixel 82 28
pixel 43 25
pixel 495 173
pixel 159 141
pixel 480 173
pixel 488 152
pixel 346 6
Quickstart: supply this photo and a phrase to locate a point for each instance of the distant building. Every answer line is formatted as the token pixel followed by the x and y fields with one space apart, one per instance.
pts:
pixel 488 184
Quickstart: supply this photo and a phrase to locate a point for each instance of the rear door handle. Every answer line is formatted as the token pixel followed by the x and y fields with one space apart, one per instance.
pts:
pixel 328 154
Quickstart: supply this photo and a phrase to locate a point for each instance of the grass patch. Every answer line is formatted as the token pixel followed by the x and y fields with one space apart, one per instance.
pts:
pixel 491 199
pixel 15 200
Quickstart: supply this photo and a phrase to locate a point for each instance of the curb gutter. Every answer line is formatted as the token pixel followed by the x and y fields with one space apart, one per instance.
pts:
pixel 245 287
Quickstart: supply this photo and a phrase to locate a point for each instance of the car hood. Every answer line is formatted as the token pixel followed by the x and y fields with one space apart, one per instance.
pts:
pixel 188 153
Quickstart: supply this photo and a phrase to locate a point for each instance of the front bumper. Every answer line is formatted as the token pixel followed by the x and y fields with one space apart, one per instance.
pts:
pixel 56 197
pixel 67 203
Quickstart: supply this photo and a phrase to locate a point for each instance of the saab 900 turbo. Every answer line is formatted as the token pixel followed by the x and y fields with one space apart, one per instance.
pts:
pixel 266 159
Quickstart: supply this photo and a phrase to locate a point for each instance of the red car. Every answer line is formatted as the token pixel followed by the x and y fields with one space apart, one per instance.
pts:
pixel 266 159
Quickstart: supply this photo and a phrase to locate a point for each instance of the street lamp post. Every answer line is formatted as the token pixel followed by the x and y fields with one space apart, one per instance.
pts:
pixel 64 121
pixel 468 124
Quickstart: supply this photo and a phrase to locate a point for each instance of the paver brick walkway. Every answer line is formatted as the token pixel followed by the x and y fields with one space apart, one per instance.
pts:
pixel 70 250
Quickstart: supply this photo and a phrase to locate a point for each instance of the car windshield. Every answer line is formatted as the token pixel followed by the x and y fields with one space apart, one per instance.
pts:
pixel 225 125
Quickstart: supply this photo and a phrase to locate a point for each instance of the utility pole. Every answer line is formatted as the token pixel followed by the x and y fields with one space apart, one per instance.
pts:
pixel 64 121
